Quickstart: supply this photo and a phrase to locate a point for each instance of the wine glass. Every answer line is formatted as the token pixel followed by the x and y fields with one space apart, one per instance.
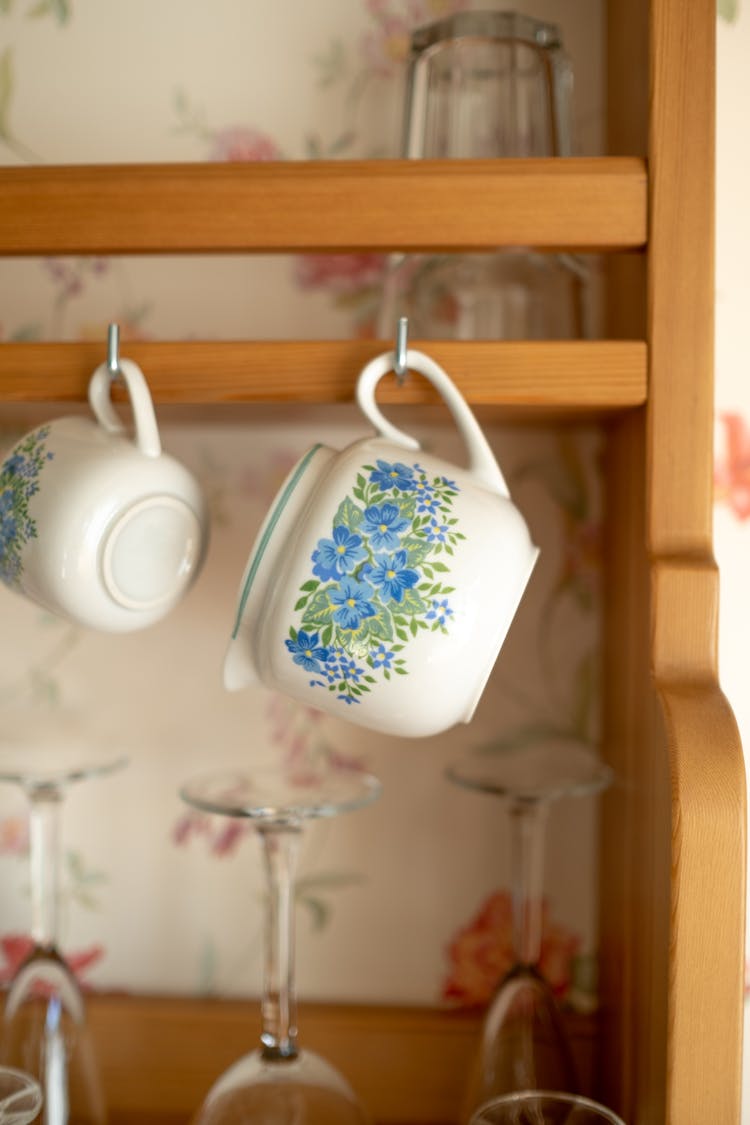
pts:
pixel 44 1029
pixel 279 1083
pixel 541 1107
pixel 20 1097
pixel 484 85
pixel 524 1044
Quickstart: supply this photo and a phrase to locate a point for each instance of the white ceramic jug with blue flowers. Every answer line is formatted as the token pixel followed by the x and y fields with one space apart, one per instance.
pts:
pixel 383 581
pixel 98 525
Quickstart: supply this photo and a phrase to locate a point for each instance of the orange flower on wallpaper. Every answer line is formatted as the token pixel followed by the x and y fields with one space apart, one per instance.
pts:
pixel 481 953
pixel 15 948
pixel 732 469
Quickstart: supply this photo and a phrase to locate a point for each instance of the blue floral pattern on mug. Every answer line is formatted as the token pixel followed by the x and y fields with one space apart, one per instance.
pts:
pixel 378 579
pixel 19 481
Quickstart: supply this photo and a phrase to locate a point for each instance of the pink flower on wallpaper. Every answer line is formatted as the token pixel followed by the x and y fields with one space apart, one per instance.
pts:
pixel 242 143
pixel 386 49
pixel 339 273
pixel 481 953
pixel 582 556
pixel 222 835
pixel 15 948
pixel 14 835
pixel 299 733
pixel 732 469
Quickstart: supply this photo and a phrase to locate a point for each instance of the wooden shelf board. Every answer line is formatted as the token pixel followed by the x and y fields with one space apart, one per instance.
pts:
pixel 303 206
pixel 159 1055
pixel 576 375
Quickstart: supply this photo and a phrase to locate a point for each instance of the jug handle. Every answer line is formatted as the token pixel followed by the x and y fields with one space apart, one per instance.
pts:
pixel 482 463
pixel 146 430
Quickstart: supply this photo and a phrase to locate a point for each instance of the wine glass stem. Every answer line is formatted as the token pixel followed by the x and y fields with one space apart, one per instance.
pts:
pixel 44 849
pixel 528 821
pixel 278 1006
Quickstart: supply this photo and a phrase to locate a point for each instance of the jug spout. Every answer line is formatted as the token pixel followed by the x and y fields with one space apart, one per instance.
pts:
pixel 239 670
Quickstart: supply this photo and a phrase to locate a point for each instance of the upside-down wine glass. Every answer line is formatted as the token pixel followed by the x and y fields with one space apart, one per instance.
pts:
pixel 281 1083
pixel 44 1029
pixel 524 1044
pixel 542 1107
pixel 20 1097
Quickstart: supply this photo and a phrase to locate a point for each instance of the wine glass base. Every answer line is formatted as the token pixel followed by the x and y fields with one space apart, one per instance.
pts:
pixel 269 795
pixel 563 768
pixel 20 1097
pixel 302 1090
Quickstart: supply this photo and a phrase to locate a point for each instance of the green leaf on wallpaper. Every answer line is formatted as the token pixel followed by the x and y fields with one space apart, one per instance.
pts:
pixel 6 90
pixel 330 64
pixel 5 7
pixel 585 693
pixel 27 333
pixel 310 891
pixel 728 10
pixel 60 9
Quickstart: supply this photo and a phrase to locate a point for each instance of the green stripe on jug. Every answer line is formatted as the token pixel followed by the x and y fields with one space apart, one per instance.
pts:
pixel 268 530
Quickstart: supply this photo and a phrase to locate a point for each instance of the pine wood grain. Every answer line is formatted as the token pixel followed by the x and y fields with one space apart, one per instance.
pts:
pixel 159 1055
pixel 592 375
pixel 674 835
pixel 323 206
pixel 706 770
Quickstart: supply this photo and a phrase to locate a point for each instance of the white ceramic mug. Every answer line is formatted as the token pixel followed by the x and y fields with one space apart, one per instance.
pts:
pixel 99 527
pixel 384 580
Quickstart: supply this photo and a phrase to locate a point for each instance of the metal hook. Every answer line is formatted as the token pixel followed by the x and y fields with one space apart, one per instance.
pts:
pixel 402 343
pixel 113 350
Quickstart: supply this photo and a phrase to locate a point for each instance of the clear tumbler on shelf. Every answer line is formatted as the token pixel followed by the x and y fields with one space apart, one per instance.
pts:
pixel 483 85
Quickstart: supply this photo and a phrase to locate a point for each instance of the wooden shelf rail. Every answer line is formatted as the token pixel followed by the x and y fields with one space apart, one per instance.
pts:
pixel 337 206
pixel 596 376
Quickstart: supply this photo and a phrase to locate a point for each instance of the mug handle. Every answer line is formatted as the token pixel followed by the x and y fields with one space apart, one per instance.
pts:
pixel 146 431
pixel 482 463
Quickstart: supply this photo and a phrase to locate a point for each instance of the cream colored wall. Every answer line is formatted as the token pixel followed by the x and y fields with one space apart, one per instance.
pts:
pixel 387 889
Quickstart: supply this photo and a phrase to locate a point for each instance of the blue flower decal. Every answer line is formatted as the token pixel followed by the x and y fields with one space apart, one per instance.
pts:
pixel 354 602
pixel 439 612
pixel 396 475
pixel 378 581
pixel 307 650
pixel 392 575
pixel 19 481
pixel 381 657
pixel 384 525
pixel 438 532
pixel 339 555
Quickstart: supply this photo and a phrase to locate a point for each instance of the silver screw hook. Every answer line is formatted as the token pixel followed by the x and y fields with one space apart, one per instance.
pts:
pixel 402 343
pixel 113 350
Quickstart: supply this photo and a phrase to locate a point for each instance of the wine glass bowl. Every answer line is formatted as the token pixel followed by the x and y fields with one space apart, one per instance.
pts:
pixel 20 1097
pixel 280 1083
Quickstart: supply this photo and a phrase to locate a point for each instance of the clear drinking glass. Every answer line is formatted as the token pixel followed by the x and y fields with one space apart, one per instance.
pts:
pixel 540 1107
pixel 44 1027
pixel 281 1083
pixel 20 1097
pixel 483 85
pixel 524 1044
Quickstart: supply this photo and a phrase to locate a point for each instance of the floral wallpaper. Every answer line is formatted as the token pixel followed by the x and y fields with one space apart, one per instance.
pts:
pixel 389 908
